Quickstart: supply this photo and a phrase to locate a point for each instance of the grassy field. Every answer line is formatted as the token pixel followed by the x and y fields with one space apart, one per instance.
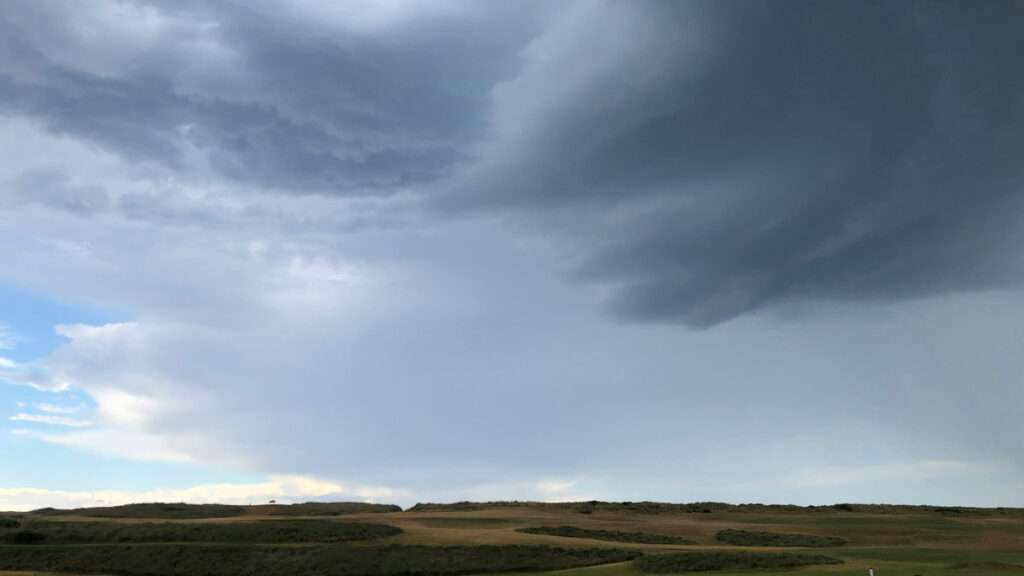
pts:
pixel 470 538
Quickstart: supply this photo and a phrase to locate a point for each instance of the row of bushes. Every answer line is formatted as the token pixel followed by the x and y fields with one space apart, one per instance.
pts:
pixel 336 560
pixel 705 561
pixel 749 538
pixel 609 535
pixel 23 537
pixel 264 531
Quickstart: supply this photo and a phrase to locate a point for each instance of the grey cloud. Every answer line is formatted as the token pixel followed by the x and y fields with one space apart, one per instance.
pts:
pixel 843 150
pixel 330 113
pixel 702 159
pixel 54 189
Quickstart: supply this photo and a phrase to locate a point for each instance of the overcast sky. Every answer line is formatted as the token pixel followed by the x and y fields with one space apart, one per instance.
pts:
pixel 408 251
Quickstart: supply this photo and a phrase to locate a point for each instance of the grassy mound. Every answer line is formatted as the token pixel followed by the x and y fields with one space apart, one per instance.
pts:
pixel 265 531
pixel 151 510
pixel 336 560
pixel 586 507
pixel 647 507
pixel 323 509
pixel 181 511
pixel 609 535
pixel 705 561
pixel 748 538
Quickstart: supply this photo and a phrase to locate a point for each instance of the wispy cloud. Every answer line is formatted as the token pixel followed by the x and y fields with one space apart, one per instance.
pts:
pixel 8 339
pixel 57 409
pixel 53 419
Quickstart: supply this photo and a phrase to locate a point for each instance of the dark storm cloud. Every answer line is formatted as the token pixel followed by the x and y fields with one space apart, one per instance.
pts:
pixel 702 159
pixel 838 150
pixel 293 108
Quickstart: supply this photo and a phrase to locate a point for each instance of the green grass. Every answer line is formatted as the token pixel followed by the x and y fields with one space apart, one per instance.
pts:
pixel 456 522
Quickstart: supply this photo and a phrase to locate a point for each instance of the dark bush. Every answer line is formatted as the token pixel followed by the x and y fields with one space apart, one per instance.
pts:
pixel 609 535
pixel 263 531
pixel 333 560
pixel 25 537
pixel 748 538
pixel 7 522
pixel 704 561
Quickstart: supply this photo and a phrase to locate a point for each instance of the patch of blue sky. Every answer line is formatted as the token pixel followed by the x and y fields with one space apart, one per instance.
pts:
pixel 30 462
pixel 28 321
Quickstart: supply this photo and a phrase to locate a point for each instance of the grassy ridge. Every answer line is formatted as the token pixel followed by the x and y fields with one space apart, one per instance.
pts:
pixel 753 538
pixel 648 507
pixel 337 560
pixel 895 541
pixel 608 535
pixel 264 531
pixel 181 511
pixel 705 561
pixel 178 511
pixel 322 509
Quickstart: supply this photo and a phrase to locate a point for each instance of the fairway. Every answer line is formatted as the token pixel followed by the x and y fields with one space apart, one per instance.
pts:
pixel 580 539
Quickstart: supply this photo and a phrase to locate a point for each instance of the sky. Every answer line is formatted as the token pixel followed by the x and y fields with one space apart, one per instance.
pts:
pixel 401 251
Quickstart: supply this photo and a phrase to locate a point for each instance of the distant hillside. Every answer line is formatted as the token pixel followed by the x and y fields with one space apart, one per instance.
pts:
pixel 647 507
pixel 176 510
pixel 322 508
pixel 179 510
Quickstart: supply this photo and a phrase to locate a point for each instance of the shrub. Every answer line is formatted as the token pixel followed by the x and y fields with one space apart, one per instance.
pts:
pixel 748 538
pixel 7 522
pixel 25 537
pixel 704 561
pixel 609 535
pixel 332 560
pixel 264 531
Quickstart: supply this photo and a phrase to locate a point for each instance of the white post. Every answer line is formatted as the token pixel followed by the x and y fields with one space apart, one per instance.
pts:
pixel 871 572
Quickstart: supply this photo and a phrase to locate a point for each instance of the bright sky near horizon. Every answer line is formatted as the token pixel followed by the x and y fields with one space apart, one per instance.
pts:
pixel 555 250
